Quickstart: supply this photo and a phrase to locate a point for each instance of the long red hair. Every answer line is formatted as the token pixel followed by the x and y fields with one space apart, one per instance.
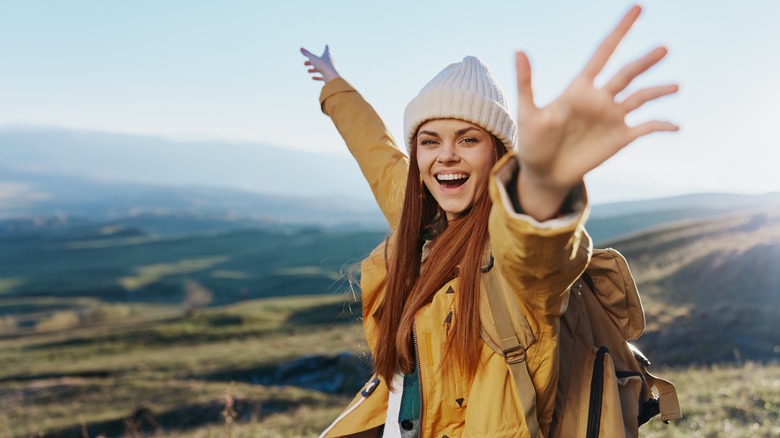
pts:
pixel 457 251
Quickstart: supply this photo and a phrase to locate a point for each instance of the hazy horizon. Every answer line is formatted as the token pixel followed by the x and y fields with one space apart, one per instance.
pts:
pixel 251 167
pixel 231 72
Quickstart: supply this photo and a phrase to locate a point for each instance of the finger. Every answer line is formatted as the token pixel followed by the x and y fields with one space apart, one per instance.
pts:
pixel 312 70
pixel 308 55
pixel 327 50
pixel 650 127
pixel 610 43
pixel 620 81
pixel 641 97
pixel 316 78
pixel 525 93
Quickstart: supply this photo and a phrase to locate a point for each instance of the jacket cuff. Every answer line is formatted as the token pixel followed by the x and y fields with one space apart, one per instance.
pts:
pixel 336 86
pixel 505 175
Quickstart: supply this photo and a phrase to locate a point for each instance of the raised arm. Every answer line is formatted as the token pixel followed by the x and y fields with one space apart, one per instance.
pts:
pixel 383 164
pixel 583 127
pixel 539 201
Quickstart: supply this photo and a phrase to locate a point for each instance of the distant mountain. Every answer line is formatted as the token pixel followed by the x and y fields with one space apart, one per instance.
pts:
pixel 614 220
pixel 711 288
pixel 55 200
pixel 26 195
pixel 60 177
pixel 157 161
pixel 717 202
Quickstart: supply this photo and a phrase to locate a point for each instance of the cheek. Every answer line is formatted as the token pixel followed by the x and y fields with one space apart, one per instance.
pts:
pixel 423 159
pixel 422 171
pixel 424 163
pixel 484 162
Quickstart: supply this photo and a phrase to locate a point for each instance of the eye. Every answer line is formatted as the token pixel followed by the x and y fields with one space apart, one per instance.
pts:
pixel 427 142
pixel 469 140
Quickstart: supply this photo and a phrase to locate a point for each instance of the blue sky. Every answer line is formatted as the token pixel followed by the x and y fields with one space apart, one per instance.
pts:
pixel 231 70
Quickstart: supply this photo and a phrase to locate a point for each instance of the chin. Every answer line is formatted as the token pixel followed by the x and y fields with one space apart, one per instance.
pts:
pixel 455 212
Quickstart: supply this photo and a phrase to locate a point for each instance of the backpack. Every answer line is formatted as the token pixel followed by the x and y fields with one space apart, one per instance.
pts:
pixel 604 388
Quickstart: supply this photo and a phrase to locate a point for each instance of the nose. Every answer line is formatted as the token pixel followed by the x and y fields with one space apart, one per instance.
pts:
pixel 448 153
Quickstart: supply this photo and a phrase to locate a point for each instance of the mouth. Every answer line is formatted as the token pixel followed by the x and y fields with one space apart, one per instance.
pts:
pixel 452 180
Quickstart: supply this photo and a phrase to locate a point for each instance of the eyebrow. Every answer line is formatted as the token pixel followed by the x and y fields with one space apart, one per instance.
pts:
pixel 458 133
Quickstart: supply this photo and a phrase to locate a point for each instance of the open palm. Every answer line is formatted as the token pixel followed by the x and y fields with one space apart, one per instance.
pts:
pixel 585 125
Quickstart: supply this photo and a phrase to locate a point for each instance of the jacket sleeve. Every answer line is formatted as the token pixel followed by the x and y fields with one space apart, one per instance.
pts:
pixel 384 165
pixel 539 260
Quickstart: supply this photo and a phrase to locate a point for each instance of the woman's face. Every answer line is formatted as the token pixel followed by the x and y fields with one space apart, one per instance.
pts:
pixel 455 158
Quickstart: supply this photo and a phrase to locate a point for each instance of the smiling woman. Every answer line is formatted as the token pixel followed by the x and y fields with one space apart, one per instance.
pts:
pixel 480 193
pixel 454 158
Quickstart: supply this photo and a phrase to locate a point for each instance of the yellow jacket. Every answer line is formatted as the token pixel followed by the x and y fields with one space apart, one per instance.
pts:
pixel 539 261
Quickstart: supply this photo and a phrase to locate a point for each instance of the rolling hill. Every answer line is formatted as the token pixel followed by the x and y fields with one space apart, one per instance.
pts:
pixel 30 195
pixel 155 161
pixel 95 341
pixel 610 221
pixel 85 176
pixel 127 265
pixel 34 202
pixel 711 288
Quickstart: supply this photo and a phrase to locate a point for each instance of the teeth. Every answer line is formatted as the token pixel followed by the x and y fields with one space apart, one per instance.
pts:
pixel 451 176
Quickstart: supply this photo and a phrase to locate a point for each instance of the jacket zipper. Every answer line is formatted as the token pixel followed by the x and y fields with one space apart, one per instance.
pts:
pixel 596 394
pixel 341 417
pixel 447 322
pixel 418 364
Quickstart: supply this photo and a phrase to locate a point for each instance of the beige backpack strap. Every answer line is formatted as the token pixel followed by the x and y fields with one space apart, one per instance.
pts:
pixel 668 404
pixel 513 350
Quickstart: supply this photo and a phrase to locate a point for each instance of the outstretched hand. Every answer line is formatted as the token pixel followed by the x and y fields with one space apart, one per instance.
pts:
pixel 583 127
pixel 321 64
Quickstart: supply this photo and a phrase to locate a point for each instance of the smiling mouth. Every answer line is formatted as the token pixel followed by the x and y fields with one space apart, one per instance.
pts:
pixel 452 180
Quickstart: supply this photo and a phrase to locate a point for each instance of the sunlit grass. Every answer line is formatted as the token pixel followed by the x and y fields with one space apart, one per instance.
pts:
pixel 729 401
pixel 123 357
pixel 111 242
pixel 149 274
pixel 309 271
pixel 104 372
pixel 231 275
pixel 9 283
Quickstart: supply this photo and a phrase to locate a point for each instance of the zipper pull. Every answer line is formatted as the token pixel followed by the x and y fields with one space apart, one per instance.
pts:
pixel 447 321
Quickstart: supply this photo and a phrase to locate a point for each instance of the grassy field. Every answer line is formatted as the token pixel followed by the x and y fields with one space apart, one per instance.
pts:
pixel 711 290
pixel 156 372
pixel 156 369
pixel 741 400
pixel 95 339
pixel 127 265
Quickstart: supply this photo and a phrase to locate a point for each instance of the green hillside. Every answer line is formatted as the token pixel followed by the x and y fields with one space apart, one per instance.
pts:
pixel 96 337
pixel 155 372
pixel 153 369
pixel 127 265
pixel 711 289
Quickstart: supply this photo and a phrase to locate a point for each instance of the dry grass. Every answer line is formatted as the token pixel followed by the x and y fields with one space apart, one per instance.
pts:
pixel 52 382
pixel 146 275
pixel 724 401
pixel 125 377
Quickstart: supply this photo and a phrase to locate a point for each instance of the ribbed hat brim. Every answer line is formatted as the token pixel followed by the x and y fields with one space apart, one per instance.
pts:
pixel 462 105
pixel 466 91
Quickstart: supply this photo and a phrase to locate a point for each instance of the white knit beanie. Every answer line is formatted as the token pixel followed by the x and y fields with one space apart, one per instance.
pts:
pixel 467 91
